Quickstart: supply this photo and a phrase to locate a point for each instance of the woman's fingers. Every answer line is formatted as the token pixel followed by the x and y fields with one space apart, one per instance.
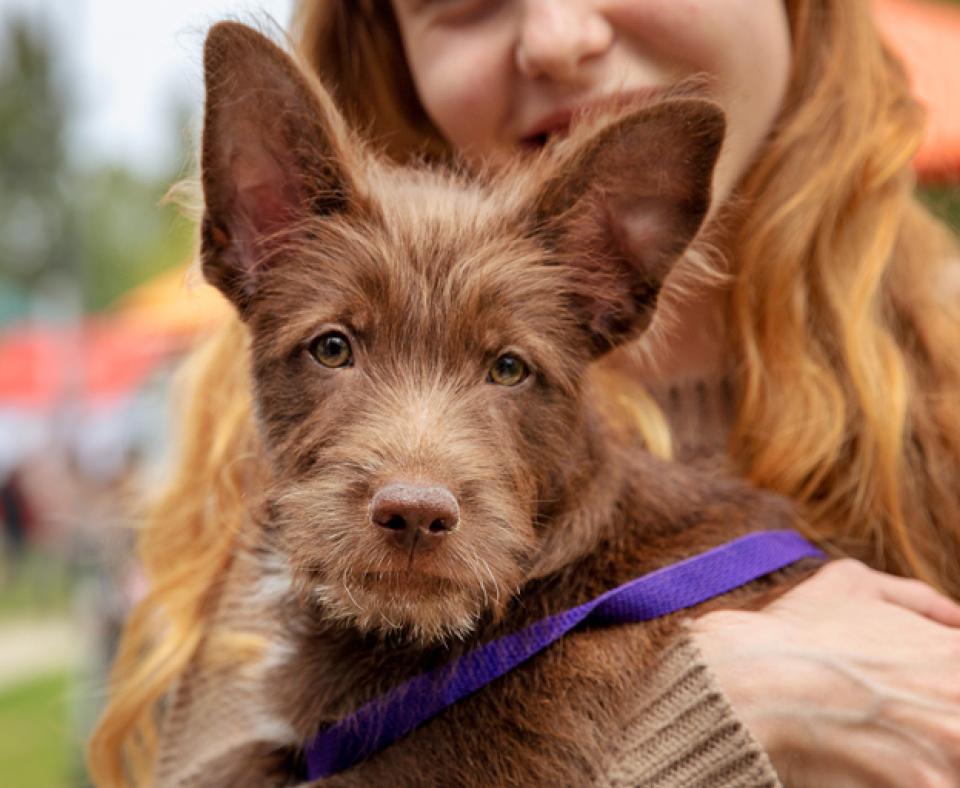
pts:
pixel 910 594
pixel 849 576
pixel 920 598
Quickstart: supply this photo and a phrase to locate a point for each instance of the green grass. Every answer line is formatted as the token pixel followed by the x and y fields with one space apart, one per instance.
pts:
pixel 35 747
pixel 38 586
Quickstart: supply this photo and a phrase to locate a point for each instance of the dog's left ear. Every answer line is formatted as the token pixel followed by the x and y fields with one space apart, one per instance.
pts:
pixel 275 151
pixel 623 207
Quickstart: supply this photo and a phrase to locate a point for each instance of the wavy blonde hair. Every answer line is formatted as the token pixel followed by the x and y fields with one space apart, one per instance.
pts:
pixel 841 315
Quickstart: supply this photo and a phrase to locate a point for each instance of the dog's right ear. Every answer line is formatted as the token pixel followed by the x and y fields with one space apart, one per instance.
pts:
pixel 275 151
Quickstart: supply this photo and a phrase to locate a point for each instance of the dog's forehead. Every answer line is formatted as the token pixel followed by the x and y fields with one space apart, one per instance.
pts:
pixel 446 201
pixel 453 238
pixel 438 256
pixel 465 243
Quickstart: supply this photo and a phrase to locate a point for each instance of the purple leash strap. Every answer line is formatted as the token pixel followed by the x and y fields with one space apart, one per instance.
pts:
pixel 382 721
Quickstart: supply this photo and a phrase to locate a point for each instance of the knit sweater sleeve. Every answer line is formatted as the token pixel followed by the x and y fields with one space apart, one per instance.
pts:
pixel 684 732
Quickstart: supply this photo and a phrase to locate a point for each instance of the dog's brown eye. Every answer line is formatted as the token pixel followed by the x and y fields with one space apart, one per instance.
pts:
pixel 508 371
pixel 332 349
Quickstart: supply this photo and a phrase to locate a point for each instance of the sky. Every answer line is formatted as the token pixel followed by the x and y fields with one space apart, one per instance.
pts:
pixel 130 66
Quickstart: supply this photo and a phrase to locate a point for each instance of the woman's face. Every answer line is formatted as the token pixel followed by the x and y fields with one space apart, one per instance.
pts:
pixel 497 75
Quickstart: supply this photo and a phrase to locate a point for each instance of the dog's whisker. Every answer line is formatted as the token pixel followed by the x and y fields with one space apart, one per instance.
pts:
pixel 472 563
pixel 386 618
pixel 346 587
pixel 496 585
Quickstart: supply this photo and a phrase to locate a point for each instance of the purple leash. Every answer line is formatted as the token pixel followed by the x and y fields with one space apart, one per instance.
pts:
pixel 382 721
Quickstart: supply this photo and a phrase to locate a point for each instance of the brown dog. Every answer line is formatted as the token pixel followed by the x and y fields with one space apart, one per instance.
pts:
pixel 440 472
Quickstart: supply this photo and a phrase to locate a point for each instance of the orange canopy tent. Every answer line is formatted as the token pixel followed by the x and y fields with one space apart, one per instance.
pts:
pixel 926 35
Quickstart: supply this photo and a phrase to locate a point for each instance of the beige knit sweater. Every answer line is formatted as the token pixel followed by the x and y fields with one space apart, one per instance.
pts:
pixel 683 731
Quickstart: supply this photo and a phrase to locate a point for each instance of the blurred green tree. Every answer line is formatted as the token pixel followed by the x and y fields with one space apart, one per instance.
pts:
pixel 36 237
pixel 126 235
pixel 83 232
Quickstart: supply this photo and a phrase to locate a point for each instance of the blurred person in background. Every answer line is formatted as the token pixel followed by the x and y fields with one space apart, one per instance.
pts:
pixel 822 366
pixel 16 518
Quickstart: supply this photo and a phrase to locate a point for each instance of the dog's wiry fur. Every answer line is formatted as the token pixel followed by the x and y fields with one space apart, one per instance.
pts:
pixel 432 275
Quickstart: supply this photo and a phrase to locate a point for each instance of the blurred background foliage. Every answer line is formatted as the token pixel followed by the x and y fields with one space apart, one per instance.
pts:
pixel 944 201
pixel 70 230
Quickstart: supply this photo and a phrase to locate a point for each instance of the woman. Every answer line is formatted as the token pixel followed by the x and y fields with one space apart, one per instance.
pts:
pixel 823 366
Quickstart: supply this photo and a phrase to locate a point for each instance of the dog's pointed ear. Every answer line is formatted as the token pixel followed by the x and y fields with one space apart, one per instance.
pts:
pixel 623 207
pixel 274 152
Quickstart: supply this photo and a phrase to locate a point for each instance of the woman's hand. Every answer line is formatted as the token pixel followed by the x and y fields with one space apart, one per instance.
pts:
pixel 850 679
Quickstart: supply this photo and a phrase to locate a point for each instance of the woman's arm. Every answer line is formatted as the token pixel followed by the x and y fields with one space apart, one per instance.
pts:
pixel 850 679
pixel 684 731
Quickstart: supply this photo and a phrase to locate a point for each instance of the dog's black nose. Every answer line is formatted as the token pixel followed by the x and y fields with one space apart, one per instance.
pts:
pixel 415 516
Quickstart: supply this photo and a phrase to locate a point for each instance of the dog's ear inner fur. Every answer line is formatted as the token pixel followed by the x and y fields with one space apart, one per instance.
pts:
pixel 273 153
pixel 625 204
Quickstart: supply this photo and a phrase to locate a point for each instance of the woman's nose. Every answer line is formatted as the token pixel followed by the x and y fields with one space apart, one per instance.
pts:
pixel 558 36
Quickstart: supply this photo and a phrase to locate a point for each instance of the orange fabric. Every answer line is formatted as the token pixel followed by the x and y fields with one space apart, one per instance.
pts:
pixel 926 35
pixel 176 301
